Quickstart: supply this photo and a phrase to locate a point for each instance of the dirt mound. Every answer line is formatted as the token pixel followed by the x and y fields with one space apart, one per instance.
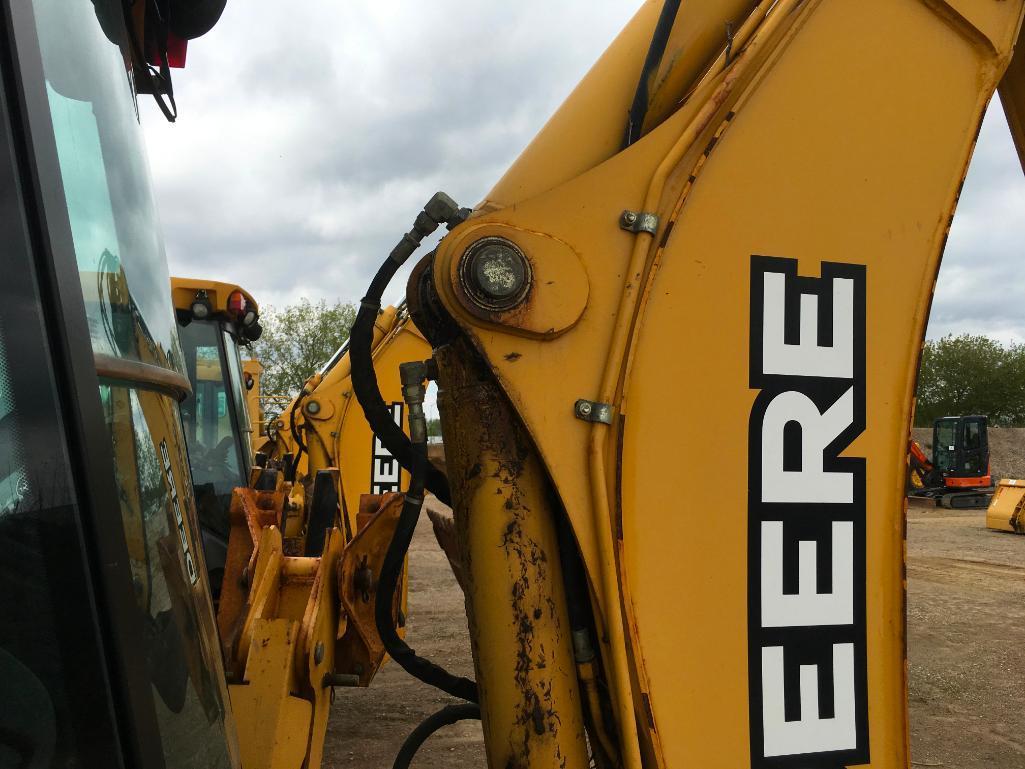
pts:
pixel 1006 449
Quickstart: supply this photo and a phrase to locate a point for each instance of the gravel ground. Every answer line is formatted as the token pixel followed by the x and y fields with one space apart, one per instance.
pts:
pixel 966 624
pixel 368 725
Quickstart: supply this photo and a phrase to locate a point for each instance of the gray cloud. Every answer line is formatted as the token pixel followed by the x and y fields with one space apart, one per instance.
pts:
pixel 981 287
pixel 311 133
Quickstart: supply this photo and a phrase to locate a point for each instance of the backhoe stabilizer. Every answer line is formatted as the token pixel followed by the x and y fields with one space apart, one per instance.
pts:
pixel 294 627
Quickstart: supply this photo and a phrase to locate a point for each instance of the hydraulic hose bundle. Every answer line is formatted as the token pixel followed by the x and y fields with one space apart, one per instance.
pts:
pixel 411 453
pixel 297 437
pixel 441 209
pixel 413 390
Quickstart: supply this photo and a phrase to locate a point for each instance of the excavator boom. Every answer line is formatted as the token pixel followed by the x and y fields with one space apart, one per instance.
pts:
pixel 750 256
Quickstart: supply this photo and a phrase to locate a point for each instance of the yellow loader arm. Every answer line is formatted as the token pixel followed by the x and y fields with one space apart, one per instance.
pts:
pixel 742 267
pixel 331 427
pixel 305 557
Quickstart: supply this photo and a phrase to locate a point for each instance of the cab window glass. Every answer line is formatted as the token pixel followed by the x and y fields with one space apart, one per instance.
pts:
pixel 12 455
pixel 946 434
pixel 55 708
pixel 180 641
pixel 972 436
pixel 210 426
pixel 105 181
pixel 945 445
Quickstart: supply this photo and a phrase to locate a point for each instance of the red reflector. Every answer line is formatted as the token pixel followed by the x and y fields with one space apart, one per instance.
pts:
pixel 176 51
pixel 236 304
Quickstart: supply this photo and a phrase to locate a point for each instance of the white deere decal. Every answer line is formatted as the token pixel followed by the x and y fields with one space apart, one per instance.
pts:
pixel 385 471
pixel 806 505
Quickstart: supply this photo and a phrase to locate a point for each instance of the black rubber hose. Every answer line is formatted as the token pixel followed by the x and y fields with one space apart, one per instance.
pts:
pixel 656 50
pixel 368 393
pixel 391 569
pixel 300 447
pixel 577 601
pixel 448 715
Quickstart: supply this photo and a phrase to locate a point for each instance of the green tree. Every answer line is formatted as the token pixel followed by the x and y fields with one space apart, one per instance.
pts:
pixel 971 374
pixel 297 340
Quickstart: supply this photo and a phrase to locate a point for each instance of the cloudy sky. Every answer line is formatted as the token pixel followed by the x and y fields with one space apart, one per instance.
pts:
pixel 311 133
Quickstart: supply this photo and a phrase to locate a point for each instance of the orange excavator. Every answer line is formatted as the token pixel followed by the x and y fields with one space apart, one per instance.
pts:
pixel 958 473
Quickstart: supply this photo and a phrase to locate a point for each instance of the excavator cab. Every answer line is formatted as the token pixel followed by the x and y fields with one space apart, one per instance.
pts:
pixel 214 321
pixel 960 451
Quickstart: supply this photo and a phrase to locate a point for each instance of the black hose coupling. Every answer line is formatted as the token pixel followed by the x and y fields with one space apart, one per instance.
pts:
pixel 440 209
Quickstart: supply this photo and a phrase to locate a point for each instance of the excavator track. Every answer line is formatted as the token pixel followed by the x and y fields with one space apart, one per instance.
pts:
pixel 966 500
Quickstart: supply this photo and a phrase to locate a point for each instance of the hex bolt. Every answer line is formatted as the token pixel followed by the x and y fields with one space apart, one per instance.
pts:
pixel 629 217
pixel 584 408
pixel 318 653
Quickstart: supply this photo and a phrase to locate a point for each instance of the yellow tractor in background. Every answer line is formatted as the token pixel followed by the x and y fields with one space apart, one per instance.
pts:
pixel 322 436
pixel 214 321
pixel 287 500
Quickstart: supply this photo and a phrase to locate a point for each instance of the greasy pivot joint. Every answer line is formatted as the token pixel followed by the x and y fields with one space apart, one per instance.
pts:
pixel 495 274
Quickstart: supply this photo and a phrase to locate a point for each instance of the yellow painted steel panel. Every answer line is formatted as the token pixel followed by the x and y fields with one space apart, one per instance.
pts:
pixel 818 168
pixel 849 152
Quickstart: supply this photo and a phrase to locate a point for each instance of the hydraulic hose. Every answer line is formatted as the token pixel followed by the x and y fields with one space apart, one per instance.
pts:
pixel 300 447
pixel 413 375
pixel 448 715
pixel 441 209
pixel 656 50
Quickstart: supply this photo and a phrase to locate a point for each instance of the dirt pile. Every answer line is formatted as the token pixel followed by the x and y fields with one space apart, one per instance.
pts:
pixel 1006 449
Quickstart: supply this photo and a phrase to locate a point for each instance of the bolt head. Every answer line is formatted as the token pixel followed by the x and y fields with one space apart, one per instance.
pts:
pixel 584 408
pixel 629 217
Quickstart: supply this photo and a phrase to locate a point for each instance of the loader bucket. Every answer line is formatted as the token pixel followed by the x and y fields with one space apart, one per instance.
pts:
pixel 1005 511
